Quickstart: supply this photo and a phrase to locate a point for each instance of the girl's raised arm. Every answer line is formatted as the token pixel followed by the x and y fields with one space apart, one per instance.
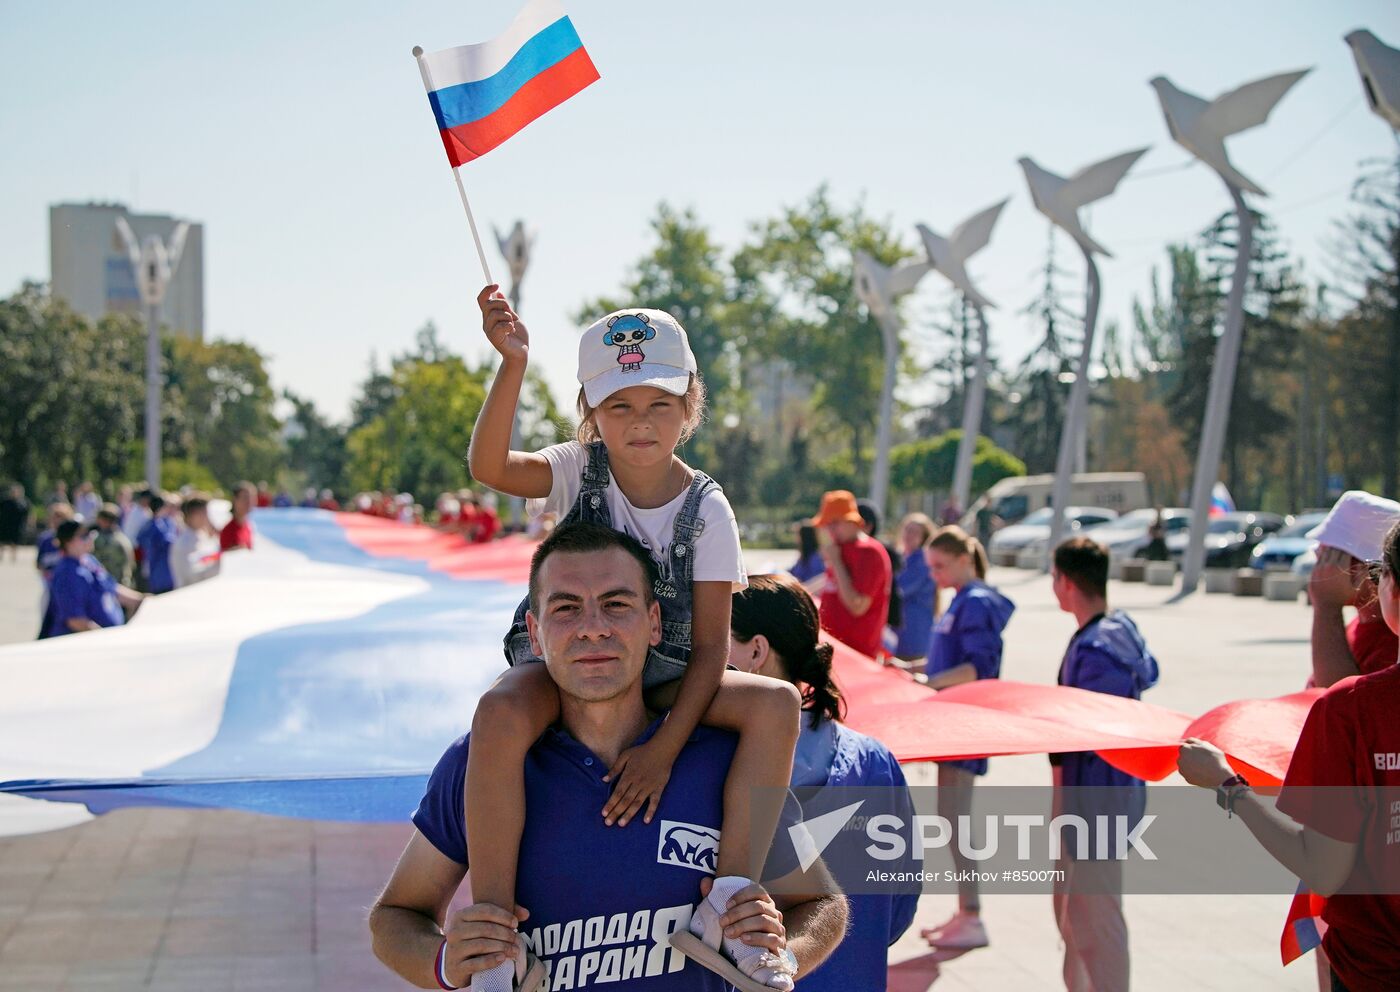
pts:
pixel 492 463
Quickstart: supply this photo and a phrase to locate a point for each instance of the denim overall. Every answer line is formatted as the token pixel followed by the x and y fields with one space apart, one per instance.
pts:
pixel 667 660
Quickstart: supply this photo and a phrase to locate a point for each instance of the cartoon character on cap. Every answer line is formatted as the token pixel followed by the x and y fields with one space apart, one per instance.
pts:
pixel 626 332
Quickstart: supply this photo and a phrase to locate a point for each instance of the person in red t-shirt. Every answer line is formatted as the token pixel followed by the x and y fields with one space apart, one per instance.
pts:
pixel 854 591
pixel 1350 537
pixel 488 524
pixel 1333 823
pixel 238 532
pixel 467 515
pixel 264 496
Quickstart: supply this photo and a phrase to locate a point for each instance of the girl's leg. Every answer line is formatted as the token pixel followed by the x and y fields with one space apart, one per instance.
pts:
pixel 955 801
pixel 512 715
pixel 764 713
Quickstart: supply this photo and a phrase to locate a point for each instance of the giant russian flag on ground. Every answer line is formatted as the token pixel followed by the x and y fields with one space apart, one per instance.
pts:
pixel 323 674
pixel 483 94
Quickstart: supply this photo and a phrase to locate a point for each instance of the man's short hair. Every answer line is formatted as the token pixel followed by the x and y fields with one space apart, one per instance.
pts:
pixel 581 537
pixel 68 530
pixel 1084 562
pixel 195 502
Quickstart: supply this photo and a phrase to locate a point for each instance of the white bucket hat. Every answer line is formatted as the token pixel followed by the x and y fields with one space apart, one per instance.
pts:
pixel 636 347
pixel 1358 524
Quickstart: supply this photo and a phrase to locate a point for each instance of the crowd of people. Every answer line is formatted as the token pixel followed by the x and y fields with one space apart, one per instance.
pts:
pixel 627 779
pixel 98 561
pixel 631 597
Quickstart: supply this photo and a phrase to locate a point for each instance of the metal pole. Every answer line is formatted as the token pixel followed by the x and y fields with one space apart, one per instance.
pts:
pixel 1222 390
pixel 1076 419
pixel 153 387
pixel 972 420
pixel 516 513
pixel 880 476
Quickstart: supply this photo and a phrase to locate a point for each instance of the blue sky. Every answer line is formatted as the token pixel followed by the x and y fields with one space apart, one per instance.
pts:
pixel 300 136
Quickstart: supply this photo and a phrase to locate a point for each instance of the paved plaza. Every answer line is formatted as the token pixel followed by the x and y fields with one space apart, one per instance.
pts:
pixel 161 899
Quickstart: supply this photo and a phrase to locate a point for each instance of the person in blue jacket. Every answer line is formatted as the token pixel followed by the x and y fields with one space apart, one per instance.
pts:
pixel 917 590
pixel 809 562
pixel 83 596
pixel 154 540
pixel 774 630
pixel 966 646
pixel 1106 654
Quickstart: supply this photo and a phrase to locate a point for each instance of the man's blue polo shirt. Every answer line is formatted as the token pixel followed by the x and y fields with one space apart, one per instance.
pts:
pixel 603 900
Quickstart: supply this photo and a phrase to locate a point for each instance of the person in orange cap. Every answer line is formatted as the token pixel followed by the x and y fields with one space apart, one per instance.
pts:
pixel 854 591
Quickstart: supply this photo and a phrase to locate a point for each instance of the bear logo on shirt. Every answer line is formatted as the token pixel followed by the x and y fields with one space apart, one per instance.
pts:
pixel 688 845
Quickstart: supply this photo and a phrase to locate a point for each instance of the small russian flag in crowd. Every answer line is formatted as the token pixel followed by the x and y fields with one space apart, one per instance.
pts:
pixel 1220 500
pixel 483 94
pixel 1303 931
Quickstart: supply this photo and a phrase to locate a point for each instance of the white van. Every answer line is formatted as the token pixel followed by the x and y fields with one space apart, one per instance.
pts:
pixel 1015 498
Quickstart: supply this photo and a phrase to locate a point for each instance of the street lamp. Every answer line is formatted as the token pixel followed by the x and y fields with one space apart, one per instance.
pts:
pixel 949 256
pixel 515 247
pixel 1201 128
pixel 1059 199
pixel 154 265
pixel 878 287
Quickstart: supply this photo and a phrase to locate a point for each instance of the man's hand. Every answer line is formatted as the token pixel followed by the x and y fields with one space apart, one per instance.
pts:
pixel 1202 763
pixel 752 917
pixel 1334 582
pixel 502 325
pixel 480 937
pixel 641 774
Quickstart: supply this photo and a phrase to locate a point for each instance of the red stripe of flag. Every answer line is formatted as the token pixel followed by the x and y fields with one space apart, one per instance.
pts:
pixel 537 97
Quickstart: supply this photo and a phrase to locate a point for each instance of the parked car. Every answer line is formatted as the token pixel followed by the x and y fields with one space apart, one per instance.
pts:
pixel 1230 537
pixel 1037 526
pixel 1281 550
pixel 1126 536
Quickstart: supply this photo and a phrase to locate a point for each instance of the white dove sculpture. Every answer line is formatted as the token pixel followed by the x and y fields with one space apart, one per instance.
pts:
pixel 1060 199
pixel 878 286
pixel 949 255
pixel 1379 65
pixel 1201 127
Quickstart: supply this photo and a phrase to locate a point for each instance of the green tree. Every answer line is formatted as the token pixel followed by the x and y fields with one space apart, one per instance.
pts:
pixel 1044 376
pixel 220 409
pixel 316 448
pixel 418 442
pixel 71 403
pixel 795 301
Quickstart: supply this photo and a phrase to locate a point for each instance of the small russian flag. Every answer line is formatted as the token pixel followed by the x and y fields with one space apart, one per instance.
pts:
pixel 1303 930
pixel 483 94
pixel 1220 500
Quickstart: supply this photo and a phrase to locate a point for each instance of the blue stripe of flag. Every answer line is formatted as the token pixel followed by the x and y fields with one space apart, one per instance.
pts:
pixel 468 102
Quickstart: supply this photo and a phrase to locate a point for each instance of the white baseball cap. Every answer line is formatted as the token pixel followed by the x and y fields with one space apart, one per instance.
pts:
pixel 1358 524
pixel 635 347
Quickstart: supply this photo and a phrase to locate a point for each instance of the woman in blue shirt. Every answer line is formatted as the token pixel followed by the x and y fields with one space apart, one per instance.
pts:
pixel 917 589
pixel 82 595
pixel 966 646
pixel 773 631
pixel 809 558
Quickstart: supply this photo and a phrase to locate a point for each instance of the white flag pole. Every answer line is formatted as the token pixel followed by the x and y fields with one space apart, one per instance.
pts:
pixel 462 190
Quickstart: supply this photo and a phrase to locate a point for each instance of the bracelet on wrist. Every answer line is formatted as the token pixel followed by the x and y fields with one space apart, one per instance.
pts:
pixel 440 968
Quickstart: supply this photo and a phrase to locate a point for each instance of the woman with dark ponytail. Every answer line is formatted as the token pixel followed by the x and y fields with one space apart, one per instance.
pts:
pixel 774 631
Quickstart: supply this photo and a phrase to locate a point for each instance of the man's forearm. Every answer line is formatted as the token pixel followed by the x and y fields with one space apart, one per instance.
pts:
pixel 408 942
pixel 814 929
pixel 1287 843
pixel 1331 655
pixel 854 601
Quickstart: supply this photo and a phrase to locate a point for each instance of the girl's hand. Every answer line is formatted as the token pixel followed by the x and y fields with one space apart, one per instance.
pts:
pixel 641 774
pixel 502 325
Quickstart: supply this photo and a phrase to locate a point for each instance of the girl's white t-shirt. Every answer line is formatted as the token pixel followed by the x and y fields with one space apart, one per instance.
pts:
pixel 718 555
